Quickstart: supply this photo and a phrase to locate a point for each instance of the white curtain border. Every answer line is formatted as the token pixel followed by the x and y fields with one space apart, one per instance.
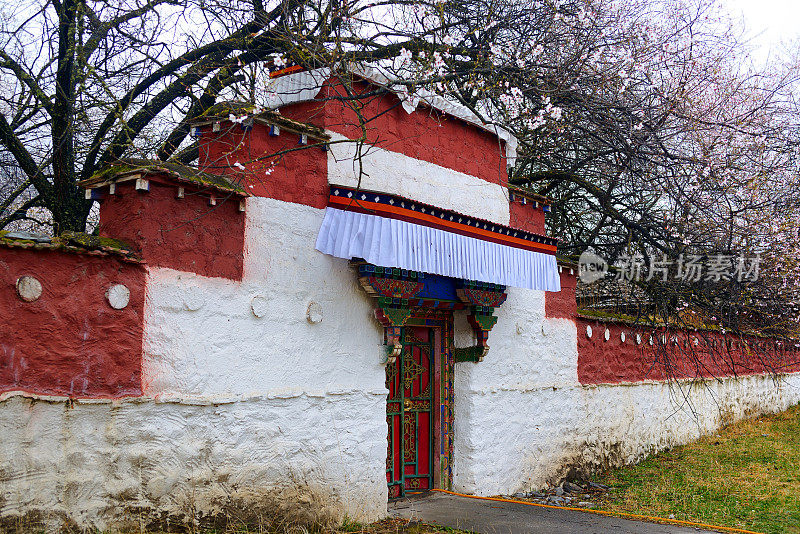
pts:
pixel 392 243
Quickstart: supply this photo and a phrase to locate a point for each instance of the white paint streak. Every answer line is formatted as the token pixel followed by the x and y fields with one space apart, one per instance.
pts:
pixel 393 172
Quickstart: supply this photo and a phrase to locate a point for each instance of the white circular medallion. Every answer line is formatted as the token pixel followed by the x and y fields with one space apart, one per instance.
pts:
pixel 588 331
pixel 314 312
pixel 193 298
pixel 118 296
pixel 29 288
pixel 259 305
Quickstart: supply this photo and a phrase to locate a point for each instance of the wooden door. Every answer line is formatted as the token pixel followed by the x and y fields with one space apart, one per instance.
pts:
pixel 409 414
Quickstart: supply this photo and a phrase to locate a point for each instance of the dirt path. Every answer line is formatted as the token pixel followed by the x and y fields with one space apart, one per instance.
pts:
pixel 492 517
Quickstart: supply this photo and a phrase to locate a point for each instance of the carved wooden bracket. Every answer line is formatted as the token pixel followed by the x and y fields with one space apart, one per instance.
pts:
pixel 481 299
pixel 481 324
pixel 393 319
pixel 401 293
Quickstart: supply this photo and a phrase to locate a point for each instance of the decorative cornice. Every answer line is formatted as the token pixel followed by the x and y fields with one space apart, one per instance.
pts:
pixel 524 196
pixel 396 207
pixel 401 294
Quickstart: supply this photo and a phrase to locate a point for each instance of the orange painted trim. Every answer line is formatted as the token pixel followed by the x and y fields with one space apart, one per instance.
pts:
pixel 284 72
pixel 649 518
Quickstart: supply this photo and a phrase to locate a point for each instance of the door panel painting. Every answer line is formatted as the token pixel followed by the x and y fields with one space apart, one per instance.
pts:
pixel 409 414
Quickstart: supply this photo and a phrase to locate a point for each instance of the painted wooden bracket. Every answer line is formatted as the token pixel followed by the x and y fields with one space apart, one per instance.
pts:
pixel 482 299
pixel 401 294
pixel 481 324
pixel 393 320
pixel 469 354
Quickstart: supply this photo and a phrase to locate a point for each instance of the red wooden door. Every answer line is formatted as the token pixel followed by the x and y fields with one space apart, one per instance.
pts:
pixel 409 415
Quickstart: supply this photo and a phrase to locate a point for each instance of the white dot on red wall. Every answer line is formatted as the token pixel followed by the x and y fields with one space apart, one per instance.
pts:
pixel 607 335
pixel 118 296
pixel 588 331
pixel 622 336
pixel 29 288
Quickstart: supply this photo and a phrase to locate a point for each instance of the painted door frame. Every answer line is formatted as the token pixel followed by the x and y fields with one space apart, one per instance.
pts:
pixel 441 328
pixel 404 297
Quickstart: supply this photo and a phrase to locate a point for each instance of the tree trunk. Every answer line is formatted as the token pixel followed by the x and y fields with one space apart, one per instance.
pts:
pixel 68 205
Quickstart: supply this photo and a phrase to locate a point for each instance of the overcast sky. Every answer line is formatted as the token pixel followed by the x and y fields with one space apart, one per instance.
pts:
pixel 769 22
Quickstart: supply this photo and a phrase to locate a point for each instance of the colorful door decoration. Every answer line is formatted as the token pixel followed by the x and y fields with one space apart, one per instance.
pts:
pixel 409 413
pixel 416 311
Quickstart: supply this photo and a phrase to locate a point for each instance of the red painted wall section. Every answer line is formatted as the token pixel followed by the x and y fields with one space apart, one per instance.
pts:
pixel 425 134
pixel 248 157
pixel 525 216
pixel 184 234
pixel 70 341
pixel 696 354
pixel 562 304
pixel 299 176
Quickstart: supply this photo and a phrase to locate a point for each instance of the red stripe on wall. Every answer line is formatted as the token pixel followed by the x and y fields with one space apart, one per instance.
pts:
pixel 425 134
pixel 185 234
pixel 697 354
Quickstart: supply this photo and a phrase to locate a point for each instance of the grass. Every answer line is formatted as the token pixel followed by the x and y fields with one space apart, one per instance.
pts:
pixel 746 476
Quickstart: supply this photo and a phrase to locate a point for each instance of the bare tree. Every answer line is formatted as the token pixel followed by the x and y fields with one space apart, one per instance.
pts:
pixel 637 118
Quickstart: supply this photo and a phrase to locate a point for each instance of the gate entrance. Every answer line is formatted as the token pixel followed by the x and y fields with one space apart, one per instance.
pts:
pixel 416 311
pixel 409 413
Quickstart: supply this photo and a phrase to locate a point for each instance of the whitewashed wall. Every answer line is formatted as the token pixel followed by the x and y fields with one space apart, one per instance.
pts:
pixel 550 423
pixel 204 340
pixel 102 463
pixel 234 402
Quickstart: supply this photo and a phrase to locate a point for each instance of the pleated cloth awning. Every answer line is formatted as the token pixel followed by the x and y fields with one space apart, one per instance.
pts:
pixel 392 231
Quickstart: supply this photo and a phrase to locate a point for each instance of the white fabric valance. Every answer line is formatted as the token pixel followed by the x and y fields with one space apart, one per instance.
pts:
pixel 395 243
